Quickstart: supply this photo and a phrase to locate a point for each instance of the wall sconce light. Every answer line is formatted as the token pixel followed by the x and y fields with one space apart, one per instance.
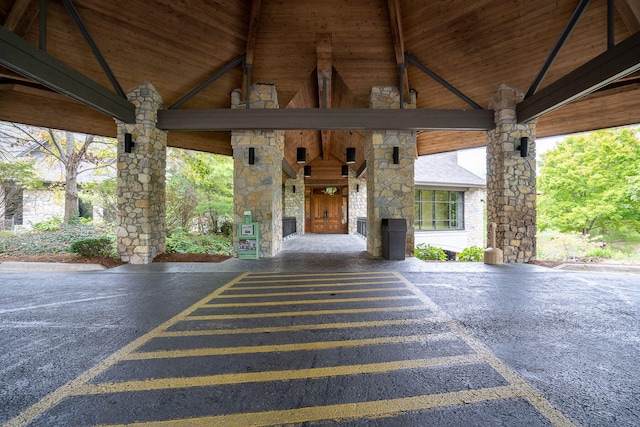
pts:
pixel 396 155
pixel 357 188
pixel 128 143
pixel 345 171
pixel 252 155
pixel 524 146
pixel 301 153
pixel 293 189
pixel 307 171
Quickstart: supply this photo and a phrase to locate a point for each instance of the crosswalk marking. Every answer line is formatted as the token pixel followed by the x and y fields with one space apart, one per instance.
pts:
pixel 296 288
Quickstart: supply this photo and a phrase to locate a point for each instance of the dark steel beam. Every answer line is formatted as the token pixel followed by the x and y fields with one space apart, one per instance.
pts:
pixel 73 12
pixel 22 57
pixel 288 169
pixel 442 81
pixel 222 71
pixel 611 23
pixel 325 119
pixel 575 17
pixel 42 18
pixel 615 63
pixel 361 169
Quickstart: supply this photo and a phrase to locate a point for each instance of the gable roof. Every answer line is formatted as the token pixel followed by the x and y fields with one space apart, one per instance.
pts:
pixel 443 170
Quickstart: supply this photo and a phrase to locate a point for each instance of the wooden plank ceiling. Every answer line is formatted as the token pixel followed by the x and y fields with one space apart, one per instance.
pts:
pixel 321 54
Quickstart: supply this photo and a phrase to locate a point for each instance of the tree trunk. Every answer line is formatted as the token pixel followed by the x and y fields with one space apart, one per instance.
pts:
pixel 71 181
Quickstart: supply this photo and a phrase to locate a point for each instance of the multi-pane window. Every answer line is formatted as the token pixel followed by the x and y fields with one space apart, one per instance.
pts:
pixel 439 210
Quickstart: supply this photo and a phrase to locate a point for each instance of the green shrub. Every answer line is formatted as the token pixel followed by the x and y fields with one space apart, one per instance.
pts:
pixel 52 224
pixel 427 252
pixel 46 242
pixel 471 254
pixel 184 243
pixel 601 253
pixel 101 246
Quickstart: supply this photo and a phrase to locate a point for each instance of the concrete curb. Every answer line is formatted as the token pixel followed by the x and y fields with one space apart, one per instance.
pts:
pixel 600 268
pixel 30 267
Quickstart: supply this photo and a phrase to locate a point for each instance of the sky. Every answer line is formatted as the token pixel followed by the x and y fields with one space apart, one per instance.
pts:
pixel 475 159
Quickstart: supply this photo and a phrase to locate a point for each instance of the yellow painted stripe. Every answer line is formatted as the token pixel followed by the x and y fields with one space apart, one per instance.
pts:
pixel 286 294
pixel 308 301
pixel 296 279
pixel 309 346
pixel 303 327
pixel 536 399
pixel 67 389
pixel 284 375
pixel 342 412
pixel 281 275
pixel 319 285
pixel 305 313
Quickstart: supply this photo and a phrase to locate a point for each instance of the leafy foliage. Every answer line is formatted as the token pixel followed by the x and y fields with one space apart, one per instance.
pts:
pixel 103 194
pixel 101 246
pixel 591 183
pixel 182 242
pixel 471 254
pixel 199 190
pixel 45 242
pixel 427 252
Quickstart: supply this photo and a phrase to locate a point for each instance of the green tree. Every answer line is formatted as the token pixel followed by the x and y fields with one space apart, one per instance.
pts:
pixel 74 153
pixel 14 177
pixel 199 189
pixel 589 183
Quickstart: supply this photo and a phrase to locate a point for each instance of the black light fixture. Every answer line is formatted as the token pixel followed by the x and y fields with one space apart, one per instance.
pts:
pixel 293 189
pixel 351 152
pixel 128 143
pixel 524 146
pixel 396 155
pixel 357 188
pixel 345 171
pixel 252 155
pixel 301 153
pixel 307 171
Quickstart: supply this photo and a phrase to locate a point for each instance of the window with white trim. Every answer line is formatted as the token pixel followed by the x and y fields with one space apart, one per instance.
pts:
pixel 439 210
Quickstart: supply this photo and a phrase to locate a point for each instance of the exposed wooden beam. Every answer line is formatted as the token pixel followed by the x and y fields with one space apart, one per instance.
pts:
pixel 324 70
pixel 398 43
pixel 361 169
pixel 288 169
pixel 17 14
pixel 221 119
pixel 20 56
pixel 615 63
pixel 629 11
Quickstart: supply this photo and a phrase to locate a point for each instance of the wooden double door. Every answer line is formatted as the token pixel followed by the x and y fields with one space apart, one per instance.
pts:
pixel 326 213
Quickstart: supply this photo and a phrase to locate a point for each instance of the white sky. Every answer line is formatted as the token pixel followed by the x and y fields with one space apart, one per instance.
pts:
pixel 475 159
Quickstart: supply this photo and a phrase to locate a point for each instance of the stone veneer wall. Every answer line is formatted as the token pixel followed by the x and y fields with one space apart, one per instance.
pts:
pixel 41 205
pixel 258 187
pixel 294 202
pixel 389 187
pixel 511 179
pixel 357 200
pixel 141 217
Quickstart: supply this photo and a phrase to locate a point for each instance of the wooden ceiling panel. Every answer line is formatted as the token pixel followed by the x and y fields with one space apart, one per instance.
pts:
pixel 176 45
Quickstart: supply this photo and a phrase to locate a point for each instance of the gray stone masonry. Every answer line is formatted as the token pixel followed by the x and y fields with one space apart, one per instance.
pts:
pixel 257 187
pixel 357 200
pixel 294 202
pixel 389 186
pixel 511 179
pixel 141 218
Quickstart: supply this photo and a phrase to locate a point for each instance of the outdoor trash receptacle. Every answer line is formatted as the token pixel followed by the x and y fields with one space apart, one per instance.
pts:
pixel 394 238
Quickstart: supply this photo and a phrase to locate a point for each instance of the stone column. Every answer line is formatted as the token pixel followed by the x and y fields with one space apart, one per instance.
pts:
pixel 511 179
pixel 294 200
pixel 141 218
pixel 357 200
pixel 390 186
pixel 258 187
